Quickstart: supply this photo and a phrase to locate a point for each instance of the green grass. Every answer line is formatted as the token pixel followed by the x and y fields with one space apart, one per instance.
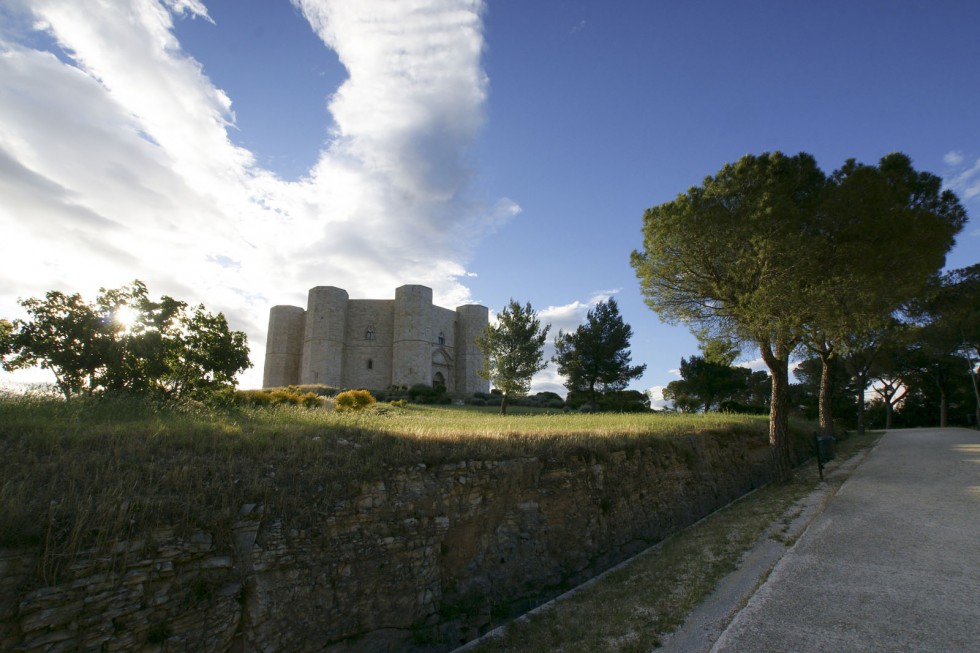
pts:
pixel 85 474
pixel 633 607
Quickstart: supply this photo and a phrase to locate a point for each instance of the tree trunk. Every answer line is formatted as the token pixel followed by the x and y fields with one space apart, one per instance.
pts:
pixel 862 383
pixel 826 393
pixel 976 394
pixel 888 414
pixel 943 407
pixel 777 360
pixel 503 404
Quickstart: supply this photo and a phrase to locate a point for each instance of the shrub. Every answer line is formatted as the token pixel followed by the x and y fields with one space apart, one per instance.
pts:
pixel 316 388
pixel 353 400
pixel 289 396
pixel 423 394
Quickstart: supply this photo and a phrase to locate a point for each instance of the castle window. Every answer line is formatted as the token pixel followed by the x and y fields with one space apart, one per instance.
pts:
pixel 369 332
pixel 370 364
pixel 442 338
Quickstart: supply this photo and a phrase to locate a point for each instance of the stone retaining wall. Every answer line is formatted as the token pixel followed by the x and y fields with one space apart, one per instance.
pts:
pixel 426 559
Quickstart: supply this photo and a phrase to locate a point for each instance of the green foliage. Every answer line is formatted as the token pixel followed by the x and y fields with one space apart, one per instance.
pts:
pixel 354 400
pixel 883 234
pixel 6 339
pixel 103 470
pixel 125 342
pixel 64 335
pixel 772 251
pixel 421 393
pixel 807 393
pixel 596 356
pixel 513 350
pixel 731 406
pixel 705 385
pixel 289 396
pixel 618 401
pixel 938 364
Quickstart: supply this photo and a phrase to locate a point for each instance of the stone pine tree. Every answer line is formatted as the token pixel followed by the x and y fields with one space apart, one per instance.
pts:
pixel 513 351
pixel 946 342
pixel 595 358
pixel 732 258
pixel 882 235
pixel 704 384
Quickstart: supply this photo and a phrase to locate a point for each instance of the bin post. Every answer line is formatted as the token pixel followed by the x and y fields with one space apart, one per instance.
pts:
pixel 825 450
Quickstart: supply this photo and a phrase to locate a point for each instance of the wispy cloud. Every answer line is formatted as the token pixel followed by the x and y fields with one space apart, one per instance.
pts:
pixel 116 161
pixel 964 179
pixel 967 182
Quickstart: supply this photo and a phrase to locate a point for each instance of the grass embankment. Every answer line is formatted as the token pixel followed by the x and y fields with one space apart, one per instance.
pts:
pixel 632 607
pixel 86 474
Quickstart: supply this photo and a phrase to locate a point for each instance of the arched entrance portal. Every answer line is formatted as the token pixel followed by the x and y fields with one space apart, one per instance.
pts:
pixel 442 365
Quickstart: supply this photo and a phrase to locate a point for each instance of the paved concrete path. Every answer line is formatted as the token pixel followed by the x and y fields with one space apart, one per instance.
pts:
pixel 891 564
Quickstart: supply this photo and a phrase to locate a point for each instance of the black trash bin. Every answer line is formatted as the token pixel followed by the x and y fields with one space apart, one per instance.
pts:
pixel 825 448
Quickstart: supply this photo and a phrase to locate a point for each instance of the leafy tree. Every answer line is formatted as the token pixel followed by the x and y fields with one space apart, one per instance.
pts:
pixel 947 336
pixel 732 258
pixel 127 342
pixel 863 280
pixel 6 339
pixel 860 359
pixel 596 356
pixel 757 392
pixel 513 351
pixel 207 354
pixel 813 392
pixel 65 335
pixel 704 384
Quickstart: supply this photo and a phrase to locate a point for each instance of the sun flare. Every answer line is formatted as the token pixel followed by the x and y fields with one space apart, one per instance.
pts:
pixel 126 317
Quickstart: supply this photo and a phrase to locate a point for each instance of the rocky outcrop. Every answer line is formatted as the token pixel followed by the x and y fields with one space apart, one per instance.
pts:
pixel 424 559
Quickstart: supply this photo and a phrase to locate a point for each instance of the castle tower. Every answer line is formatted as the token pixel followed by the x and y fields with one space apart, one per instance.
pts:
pixel 283 346
pixel 471 322
pixel 412 342
pixel 323 341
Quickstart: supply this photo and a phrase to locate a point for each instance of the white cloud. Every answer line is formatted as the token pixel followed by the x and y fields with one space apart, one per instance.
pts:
pixel 115 161
pixel 657 401
pixel 565 318
pixel 954 158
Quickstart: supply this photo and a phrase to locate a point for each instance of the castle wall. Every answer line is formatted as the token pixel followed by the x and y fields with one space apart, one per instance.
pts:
pixel 368 343
pixel 323 346
pixel 471 321
pixel 411 346
pixel 375 343
pixel 283 346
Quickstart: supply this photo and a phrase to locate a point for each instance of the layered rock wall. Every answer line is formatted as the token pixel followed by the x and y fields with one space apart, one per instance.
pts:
pixel 425 559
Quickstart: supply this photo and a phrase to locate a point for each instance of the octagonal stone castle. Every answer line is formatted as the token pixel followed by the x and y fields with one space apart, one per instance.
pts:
pixel 375 343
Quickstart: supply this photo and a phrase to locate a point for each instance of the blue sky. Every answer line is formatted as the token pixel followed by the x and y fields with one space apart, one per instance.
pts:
pixel 239 152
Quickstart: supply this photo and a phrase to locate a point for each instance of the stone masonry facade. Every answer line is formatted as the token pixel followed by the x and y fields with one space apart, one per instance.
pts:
pixel 375 343
pixel 419 559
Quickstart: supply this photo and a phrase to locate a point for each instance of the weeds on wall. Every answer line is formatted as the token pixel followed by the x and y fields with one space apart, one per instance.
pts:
pixel 84 475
